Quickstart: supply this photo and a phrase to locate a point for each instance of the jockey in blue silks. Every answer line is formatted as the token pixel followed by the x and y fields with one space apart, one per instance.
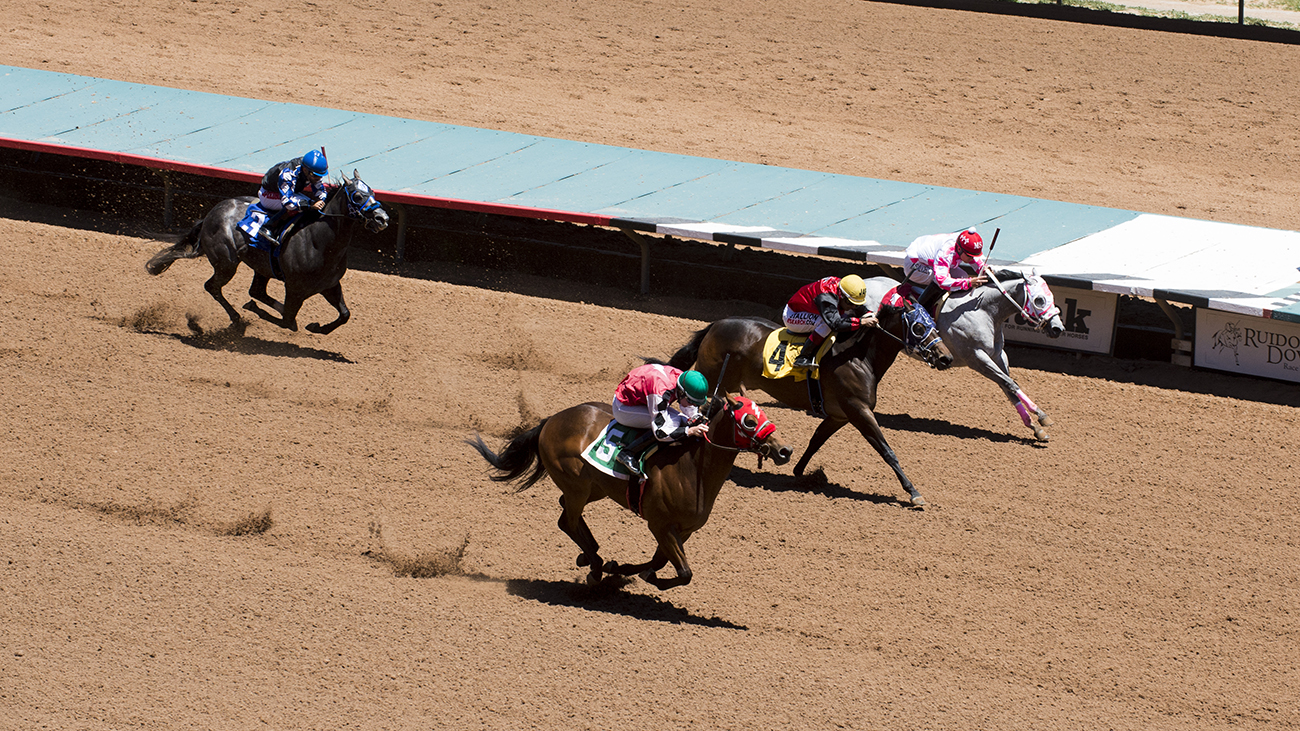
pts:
pixel 290 186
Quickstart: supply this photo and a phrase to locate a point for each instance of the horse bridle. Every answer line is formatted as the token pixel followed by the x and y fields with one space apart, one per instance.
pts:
pixel 753 436
pixel 1038 321
pixel 356 209
pixel 925 341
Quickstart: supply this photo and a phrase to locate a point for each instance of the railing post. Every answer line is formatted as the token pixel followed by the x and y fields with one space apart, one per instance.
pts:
pixel 400 248
pixel 644 243
pixel 167 197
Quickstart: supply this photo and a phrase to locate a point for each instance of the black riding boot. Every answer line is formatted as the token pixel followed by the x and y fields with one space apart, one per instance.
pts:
pixel 271 229
pixel 931 295
pixel 807 357
pixel 630 456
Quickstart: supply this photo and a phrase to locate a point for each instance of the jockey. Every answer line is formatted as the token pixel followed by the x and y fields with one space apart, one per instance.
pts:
pixel 291 185
pixel 826 305
pixel 931 263
pixel 644 400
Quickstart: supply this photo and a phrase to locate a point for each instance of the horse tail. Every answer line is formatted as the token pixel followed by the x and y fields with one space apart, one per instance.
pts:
pixel 686 355
pixel 186 248
pixel 516 459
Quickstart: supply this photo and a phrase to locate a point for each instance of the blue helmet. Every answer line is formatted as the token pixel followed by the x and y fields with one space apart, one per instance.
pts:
pixel 314 161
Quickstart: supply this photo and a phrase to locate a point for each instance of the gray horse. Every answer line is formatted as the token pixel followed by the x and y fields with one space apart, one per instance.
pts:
pixel 312 260
pixel 971 325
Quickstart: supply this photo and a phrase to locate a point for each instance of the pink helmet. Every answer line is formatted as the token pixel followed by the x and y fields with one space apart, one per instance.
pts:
pixel 969 242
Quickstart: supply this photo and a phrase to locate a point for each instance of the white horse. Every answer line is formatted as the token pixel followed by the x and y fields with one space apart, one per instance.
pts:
pixel 971 324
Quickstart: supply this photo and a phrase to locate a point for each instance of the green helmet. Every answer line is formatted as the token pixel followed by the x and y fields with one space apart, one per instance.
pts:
pixel 693 386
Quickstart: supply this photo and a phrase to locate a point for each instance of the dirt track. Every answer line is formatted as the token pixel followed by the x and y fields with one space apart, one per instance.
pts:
pixel 1137 573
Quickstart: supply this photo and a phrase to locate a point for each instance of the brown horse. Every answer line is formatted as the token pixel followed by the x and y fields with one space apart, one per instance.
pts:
pixel 849 372
pixel 682 480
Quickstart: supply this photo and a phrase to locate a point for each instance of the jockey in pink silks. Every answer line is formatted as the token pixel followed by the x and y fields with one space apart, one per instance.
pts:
pixel 932 266
pixel 644 400
pixel 830 304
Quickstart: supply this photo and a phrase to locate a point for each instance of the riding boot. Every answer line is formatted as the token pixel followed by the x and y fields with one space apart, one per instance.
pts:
pixel 270 229
pixel 807 357
pixel 630 455
pixel 930 296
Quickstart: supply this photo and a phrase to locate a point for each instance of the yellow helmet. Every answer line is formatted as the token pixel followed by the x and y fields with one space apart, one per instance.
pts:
pixel 853 289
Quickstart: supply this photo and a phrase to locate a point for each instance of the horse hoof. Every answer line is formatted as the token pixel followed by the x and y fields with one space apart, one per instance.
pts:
pixel 1040 435
pixel 917 501
pixel 594 578
pixel 583 560
pixel 1045 420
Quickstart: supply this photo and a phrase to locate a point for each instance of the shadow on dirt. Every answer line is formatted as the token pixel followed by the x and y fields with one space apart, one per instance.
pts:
pixel 812 483
pixel 942 427
pixel 232 340
pixel 607 597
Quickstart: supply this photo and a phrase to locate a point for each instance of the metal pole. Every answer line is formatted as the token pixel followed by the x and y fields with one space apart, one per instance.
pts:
pixel 645 257
pixel 400 248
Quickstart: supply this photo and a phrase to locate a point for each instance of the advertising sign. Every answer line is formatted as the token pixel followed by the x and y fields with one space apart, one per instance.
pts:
pixel 1237 343
pixel 1088 316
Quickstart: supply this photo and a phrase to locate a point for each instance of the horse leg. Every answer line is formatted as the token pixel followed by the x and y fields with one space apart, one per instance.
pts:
pixel 289 312
pixel 221 275
pixel 656 562
pixel 819 437
pixel 574 526
pixel 866 423
pixel 257 290
pixel 670 546
pixel 998 371
pixel 334 296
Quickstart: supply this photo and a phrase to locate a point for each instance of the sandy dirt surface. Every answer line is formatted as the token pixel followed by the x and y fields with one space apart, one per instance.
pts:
pixel 283 530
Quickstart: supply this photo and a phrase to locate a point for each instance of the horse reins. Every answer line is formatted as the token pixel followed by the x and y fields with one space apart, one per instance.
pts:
pixel 1038 322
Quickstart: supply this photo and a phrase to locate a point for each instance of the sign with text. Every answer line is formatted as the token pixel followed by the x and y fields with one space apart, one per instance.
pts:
pixel 1237 343
pixel 1088 316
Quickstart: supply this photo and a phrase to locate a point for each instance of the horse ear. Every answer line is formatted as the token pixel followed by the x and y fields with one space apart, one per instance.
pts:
pixel 355 174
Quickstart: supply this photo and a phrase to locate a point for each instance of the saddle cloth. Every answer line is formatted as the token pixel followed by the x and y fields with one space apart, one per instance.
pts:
pixel 780 350
pixel 252 223
pixel 603 451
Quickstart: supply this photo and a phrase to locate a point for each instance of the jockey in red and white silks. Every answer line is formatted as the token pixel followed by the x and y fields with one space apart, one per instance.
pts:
pixel 827 305
pixel 646 397
pixel 936 258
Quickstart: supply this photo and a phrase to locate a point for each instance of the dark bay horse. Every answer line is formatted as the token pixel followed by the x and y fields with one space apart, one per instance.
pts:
pixel 682 480
pixel 850 372
pixel 313 258
pixel 971 323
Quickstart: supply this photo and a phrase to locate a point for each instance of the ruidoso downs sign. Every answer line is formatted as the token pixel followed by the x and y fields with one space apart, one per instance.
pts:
pixel 1250 345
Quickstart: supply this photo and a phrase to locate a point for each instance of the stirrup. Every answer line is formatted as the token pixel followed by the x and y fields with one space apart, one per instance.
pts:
pixel 629 460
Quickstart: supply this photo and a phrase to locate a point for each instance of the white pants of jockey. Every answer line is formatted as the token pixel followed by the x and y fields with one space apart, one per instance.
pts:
pixel 635 416
pixel 918 272
pixel 267 202
pixel 805 322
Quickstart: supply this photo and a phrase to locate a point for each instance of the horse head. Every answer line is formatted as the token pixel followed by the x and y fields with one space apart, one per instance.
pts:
pixel 916 330
pixel 362 204
pixel 1039 307
pixel 751 430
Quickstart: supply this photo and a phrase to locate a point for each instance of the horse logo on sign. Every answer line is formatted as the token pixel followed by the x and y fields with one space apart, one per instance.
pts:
pixel 1228 337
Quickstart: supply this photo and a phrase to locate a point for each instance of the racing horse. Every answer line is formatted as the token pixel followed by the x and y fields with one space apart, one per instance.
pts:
pixel 971 323
pixel 682 480
pixel 312 260
pixel 849 373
